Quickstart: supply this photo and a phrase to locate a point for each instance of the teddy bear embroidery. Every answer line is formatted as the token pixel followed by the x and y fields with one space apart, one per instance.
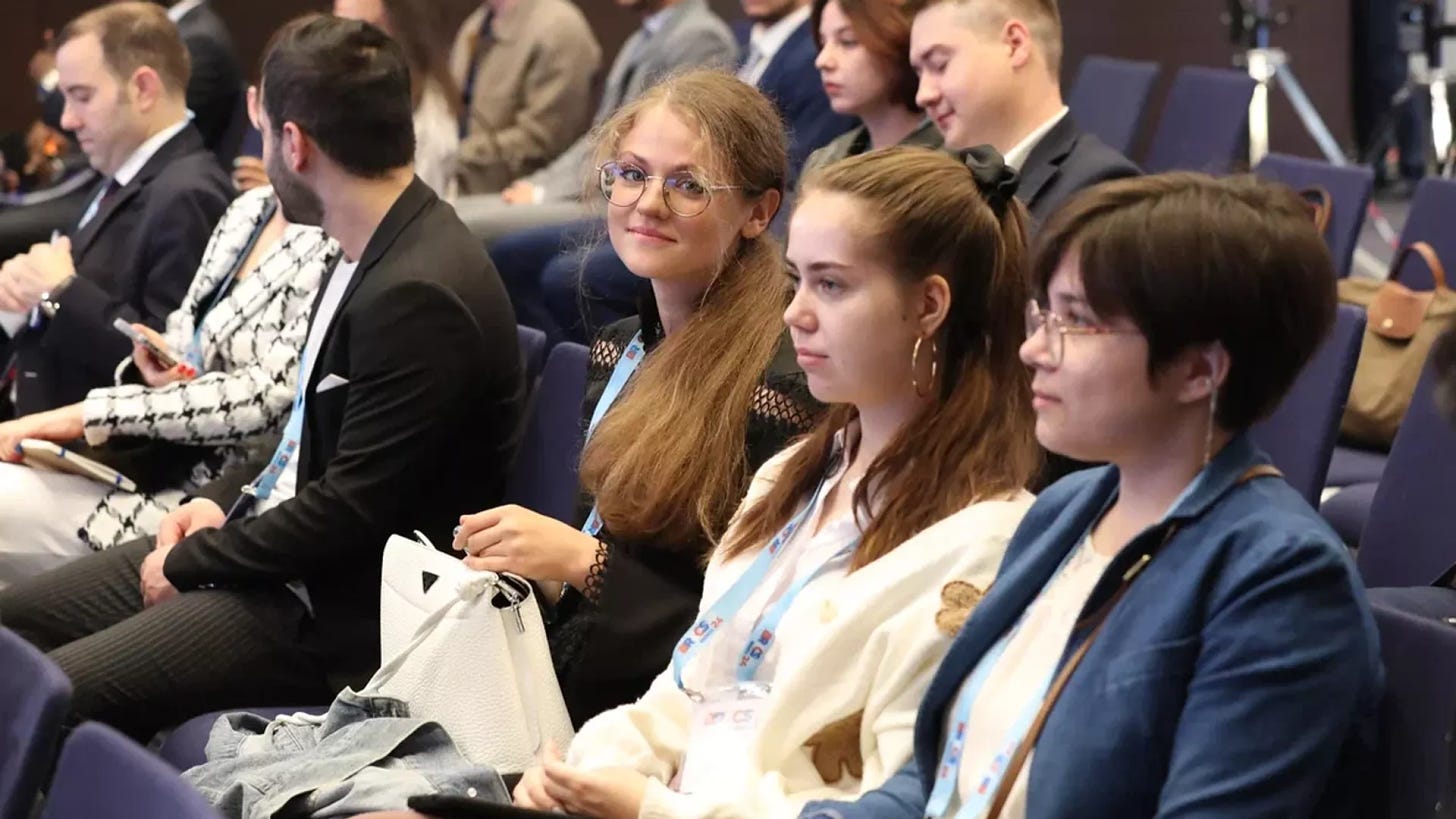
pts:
pixel 835 749
pixel 957 600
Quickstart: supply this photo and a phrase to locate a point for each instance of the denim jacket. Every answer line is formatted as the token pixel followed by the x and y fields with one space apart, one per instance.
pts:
pixel 365 754
pixel 1240 676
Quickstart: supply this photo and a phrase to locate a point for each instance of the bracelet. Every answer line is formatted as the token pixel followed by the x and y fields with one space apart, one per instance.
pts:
pixel 592 589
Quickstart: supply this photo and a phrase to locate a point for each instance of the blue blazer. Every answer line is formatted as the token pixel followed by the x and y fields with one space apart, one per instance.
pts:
pixel 1239 677
pixel 793 83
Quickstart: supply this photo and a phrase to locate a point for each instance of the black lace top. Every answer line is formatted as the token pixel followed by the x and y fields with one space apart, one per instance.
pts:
pixel 610 643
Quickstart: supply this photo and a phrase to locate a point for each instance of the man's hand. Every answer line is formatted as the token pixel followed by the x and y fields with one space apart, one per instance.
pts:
pixel 520 192
pixel 182 522
pixel 156 588
pixel 25 278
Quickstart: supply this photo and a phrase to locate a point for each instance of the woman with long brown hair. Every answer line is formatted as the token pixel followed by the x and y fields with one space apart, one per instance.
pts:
pixel 827 606
pixel 683 403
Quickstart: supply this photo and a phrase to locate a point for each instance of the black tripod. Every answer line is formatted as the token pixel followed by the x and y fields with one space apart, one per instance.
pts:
pixel 1422 30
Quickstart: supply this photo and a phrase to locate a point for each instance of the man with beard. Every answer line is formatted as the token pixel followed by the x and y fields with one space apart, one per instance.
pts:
pixel 133 252
pixel 409 395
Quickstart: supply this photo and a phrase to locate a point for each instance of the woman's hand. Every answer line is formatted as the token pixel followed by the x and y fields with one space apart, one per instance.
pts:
pixel 60 425
pixel 607 793
pixel 516 540
pixel 153 373
pixel 249 173
pixel 530 792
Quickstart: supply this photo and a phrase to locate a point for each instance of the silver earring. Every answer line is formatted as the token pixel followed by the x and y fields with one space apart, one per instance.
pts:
pixel 1212 413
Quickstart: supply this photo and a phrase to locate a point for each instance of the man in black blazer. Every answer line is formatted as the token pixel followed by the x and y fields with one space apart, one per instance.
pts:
pixel 989 76
pixel 410 396
pixel 136 247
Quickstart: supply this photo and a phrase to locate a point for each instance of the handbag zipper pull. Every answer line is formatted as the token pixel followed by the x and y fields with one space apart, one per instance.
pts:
pixel 520 622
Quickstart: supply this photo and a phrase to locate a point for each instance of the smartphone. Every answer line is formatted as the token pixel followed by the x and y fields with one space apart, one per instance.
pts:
pixel 162 357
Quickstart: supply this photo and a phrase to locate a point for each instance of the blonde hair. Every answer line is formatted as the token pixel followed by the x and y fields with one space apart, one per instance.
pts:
pixel 1042 18
pixel 977 440
pixel 668 463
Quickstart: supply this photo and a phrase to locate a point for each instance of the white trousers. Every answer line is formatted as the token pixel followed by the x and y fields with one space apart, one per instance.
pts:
pixel 40 515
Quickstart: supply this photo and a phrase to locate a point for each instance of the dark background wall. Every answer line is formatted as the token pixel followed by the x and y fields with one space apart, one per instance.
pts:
pixel 1171 32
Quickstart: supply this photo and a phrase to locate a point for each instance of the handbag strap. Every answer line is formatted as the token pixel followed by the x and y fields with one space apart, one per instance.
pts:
pixel 1322 205
pixel 1428 254
pixel 1097 619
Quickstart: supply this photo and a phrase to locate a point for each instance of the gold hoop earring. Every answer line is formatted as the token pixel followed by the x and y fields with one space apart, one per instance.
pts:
pixel 915 367
pixel 1212 413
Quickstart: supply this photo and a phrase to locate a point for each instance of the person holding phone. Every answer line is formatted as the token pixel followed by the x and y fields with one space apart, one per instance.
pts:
pixel 186 404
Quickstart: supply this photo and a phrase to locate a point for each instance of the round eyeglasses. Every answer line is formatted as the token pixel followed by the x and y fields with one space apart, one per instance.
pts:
pixel 622 185
pixel 1057 330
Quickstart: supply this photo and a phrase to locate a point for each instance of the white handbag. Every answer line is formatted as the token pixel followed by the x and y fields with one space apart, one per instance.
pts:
pixel 467 649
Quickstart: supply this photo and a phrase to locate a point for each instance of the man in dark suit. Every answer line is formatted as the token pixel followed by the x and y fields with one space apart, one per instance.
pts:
pixel 136 247
pixel 989 76
pixel 409 396
pixel 778 57
pixel 214 91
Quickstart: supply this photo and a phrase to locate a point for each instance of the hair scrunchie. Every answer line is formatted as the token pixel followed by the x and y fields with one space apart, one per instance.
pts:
pixel 996 180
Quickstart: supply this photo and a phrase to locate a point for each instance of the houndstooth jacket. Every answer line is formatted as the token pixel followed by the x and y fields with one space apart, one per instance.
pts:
pixel 249 341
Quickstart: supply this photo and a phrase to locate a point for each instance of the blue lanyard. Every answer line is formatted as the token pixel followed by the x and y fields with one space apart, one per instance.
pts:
pixel 194 353
pixel 737 596
pixel 262 487
pixel 627 364
pixel 947 774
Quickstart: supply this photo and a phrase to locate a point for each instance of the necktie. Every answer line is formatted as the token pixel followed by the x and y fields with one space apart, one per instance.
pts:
pixel 480 42
pixel 749 72
pixel 108 190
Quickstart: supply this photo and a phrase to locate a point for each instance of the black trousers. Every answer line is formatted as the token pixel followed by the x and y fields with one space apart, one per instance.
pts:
pixel 144 669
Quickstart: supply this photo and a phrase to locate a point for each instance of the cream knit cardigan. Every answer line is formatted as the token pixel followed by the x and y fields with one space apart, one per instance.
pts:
pixel 865 641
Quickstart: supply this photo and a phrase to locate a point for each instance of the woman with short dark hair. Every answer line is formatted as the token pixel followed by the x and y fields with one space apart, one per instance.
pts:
pixel 1176 633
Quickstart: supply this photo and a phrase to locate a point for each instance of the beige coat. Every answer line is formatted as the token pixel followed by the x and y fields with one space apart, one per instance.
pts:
pixel 533 90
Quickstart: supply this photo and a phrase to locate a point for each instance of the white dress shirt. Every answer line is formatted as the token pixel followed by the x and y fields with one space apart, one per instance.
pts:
pixel 177 12
pixel 1032 655
pixel 1016 157
pixel 764 42
pixel 318 328
pixel 134 164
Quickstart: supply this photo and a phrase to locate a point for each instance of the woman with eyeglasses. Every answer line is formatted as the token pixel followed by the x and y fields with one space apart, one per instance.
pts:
pixel 682 404
pixel 1177 633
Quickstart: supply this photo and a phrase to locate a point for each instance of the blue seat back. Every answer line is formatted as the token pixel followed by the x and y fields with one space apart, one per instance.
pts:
pixel 1300 434
pixel 34 698
pixel 543 478
pixel 1410 534
pixel 104 775
pixel 1205 122
pixel 1349 189
pixel 1110 97
pixel 533 351
pixel 1429 221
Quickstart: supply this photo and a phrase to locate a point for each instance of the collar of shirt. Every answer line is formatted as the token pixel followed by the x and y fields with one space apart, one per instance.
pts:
pixel 1016 157
pixel 656 20
pixel 766 40
pixel 179 10
pixel 139 158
